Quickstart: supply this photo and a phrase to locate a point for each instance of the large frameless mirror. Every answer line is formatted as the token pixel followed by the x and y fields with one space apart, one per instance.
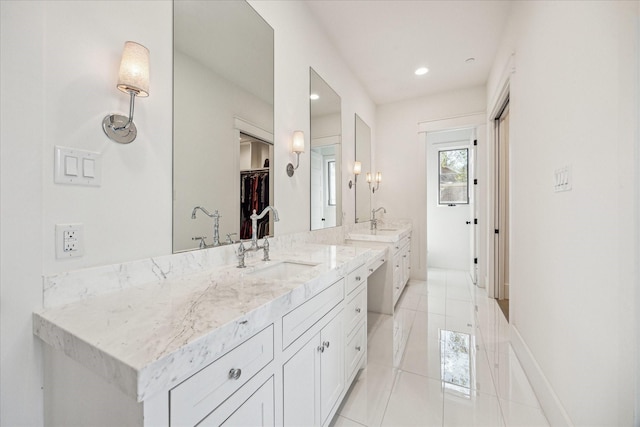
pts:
pixel 363 159
pixel 222 122
pixel 326 154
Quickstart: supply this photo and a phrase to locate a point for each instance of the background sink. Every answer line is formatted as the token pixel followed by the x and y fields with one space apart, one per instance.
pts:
pixel 282 270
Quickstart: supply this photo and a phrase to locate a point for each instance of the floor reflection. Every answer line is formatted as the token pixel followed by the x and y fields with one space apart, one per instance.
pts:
pixel 457 361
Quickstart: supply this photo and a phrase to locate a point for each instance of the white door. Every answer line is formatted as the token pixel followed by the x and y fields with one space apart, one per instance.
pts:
pixel 317 191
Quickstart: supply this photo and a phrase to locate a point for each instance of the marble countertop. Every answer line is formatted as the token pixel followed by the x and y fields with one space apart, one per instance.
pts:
pixel 385 233
pixel 150 337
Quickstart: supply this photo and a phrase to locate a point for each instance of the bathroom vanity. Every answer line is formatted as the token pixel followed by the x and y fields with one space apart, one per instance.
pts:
pixel 276 343
pixel 387 284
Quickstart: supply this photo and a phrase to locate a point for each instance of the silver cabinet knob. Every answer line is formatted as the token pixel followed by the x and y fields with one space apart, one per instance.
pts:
pixel 321 348
pixel 358 348
pixel 358 278
pixel 234 374
pixel 325 344
pixel 371 270
pixel 358 310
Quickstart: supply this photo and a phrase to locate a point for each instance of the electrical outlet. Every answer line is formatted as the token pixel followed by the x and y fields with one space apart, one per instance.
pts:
pixel 562 179
pixel 69 241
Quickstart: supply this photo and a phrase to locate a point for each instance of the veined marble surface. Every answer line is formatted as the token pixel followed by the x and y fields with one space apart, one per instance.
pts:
pixel 67 287
pixel 148 337
pixel 388 231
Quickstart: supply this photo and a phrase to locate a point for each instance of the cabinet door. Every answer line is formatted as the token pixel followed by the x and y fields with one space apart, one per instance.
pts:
pixel 331 365
pixel 245 408
pixel 300 382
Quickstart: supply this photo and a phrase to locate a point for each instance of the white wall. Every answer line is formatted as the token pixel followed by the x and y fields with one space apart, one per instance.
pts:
pixel 574 279
pixel 399 153
pixel 59 67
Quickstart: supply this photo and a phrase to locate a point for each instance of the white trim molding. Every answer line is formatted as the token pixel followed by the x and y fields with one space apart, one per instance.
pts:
pixel 452 123
pixel 549 401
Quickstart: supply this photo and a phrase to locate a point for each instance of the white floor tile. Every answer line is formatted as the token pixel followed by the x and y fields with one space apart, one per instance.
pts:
pixel 510 380
pixel 369 395
pixel 472 409
pixel 516 414
pixel 415 401
pixel 341 421
pixel 406 389
pixel 422 354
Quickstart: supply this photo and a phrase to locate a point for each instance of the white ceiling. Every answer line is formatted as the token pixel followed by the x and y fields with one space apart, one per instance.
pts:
pixel 384 41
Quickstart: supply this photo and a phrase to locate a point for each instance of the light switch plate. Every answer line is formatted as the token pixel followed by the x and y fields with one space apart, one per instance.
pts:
pixel 77 167
pixel 562 180
pixel 69 240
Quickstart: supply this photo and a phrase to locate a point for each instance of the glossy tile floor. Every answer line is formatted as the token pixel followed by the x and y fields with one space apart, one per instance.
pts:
pixel 439 362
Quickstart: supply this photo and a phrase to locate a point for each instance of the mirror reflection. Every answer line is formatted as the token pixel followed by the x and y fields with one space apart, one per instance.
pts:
pixel 326 154
pixel 363 155
pixel 222 121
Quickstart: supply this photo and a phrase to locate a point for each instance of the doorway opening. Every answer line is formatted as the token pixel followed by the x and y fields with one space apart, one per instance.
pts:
pixel 452 219
pixel 501 208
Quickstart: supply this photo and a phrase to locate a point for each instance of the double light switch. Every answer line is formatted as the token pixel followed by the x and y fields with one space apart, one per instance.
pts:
pixel 80 167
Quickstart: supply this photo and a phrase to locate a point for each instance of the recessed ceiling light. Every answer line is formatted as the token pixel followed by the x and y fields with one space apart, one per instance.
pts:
pixel 421 71
pixel 314 96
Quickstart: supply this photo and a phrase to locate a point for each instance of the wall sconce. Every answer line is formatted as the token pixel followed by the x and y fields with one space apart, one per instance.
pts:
pixel 357 169
pixel 297 146
pixel 133 79
pixel 378 180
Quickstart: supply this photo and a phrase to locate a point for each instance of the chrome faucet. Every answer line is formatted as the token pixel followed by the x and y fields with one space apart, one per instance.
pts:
pixel 242 250
pixel 374 221
pixel 216 222
pixel 254 223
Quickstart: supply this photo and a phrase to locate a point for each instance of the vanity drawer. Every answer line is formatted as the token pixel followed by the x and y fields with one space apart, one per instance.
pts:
pixel 401 243
pixel 193 399
pixel 301 318
pixel 356 277
pixel 376 263
pixel 356 347
pixel 356 308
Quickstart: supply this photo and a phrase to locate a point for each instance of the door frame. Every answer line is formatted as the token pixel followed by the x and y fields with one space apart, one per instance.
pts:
pixel 465 121
pixel 503 93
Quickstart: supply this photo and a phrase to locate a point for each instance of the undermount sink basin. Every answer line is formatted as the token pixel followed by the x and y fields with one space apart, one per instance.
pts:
pixel 387 229
pixel 282 270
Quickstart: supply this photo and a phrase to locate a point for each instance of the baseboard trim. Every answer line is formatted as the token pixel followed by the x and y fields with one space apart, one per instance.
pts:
pixel 551 405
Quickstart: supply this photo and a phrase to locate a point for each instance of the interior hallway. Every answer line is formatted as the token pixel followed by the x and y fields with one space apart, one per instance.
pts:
pixel 457 368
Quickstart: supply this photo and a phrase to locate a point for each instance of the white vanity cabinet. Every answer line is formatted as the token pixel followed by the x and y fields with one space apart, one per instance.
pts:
pixel 287 362
pixel 199 395
pixel 313 377
pixel 401 266
pixel 313 373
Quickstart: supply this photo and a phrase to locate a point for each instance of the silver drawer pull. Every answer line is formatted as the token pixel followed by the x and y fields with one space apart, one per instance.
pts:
pixel 358 348
pixel 321 348
pixel 234 374
pixel 358 278
pixel 325 344
pixel 358 310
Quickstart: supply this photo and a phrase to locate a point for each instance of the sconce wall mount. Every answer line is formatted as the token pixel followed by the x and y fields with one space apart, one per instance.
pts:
pixel 133 79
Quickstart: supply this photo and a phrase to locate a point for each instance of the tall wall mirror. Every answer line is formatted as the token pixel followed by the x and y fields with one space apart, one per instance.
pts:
pixel 363 155
pixel 222 121
pixel 326 154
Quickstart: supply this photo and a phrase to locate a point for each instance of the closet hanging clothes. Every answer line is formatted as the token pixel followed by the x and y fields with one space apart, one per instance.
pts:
pixel 254 195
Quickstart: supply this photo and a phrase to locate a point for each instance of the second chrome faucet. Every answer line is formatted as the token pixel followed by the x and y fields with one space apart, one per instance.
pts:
pixel 242 250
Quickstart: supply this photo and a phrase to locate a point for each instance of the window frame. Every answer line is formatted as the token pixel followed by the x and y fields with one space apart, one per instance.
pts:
pixel 439 185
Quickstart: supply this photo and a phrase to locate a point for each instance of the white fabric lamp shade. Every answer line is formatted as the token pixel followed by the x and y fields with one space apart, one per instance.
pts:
pixel 298 142
pixel 134 69
pixel 357 168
